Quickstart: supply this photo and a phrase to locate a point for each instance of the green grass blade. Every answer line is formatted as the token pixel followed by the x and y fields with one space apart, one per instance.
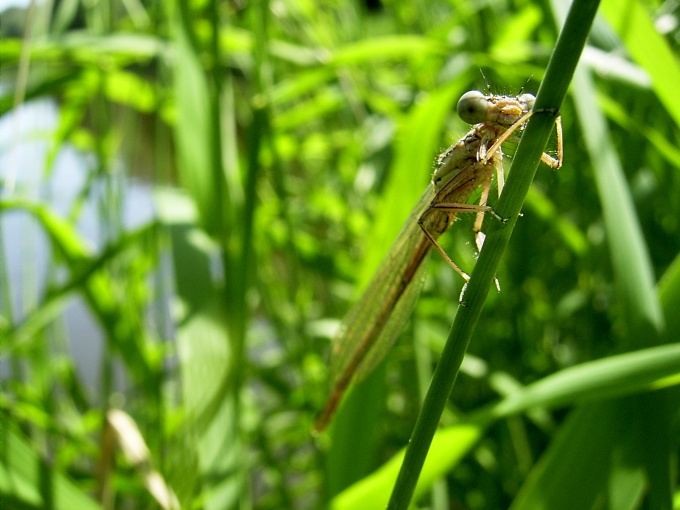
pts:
pixel 550 96
pixel 204 352
pixel 573 467
pixel 199 167
pixel 648 48
pixel 628 374
pixel 28 482
pixel 120 327
pixel 385 47
pixel 628 250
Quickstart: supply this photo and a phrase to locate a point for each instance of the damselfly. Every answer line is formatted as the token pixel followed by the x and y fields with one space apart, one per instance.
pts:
pixel 373 323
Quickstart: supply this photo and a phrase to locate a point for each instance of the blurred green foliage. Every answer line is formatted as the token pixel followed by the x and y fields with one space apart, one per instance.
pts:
pixel 283 145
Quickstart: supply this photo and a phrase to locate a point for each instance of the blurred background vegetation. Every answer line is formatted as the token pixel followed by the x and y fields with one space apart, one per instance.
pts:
pixel 193 194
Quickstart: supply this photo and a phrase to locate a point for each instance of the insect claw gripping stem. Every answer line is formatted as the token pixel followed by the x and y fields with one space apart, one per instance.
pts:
pixel 461 298
pixel 555 112
pixel 498 216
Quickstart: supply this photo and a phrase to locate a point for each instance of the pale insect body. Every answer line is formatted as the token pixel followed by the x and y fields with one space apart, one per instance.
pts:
pixel 374 322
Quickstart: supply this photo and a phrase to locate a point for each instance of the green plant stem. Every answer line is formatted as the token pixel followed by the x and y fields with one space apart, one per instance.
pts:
pixel 550 96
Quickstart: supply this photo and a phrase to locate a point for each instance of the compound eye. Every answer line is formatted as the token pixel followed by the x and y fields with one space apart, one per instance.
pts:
pixel 472 107
pixel 527 99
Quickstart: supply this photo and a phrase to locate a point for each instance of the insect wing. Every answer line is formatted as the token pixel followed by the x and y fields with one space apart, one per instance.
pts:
pixel 374 322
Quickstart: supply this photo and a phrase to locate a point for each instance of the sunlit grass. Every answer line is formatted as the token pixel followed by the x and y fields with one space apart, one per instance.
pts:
pixel 283 145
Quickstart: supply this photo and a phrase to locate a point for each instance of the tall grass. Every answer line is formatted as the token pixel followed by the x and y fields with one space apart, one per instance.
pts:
pixel 283 145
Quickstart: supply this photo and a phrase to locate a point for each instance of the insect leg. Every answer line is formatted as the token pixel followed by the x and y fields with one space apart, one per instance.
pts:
pixel 555 163
pixel 433 240
pixel 452 208
pixel 497 160
pixel 504 137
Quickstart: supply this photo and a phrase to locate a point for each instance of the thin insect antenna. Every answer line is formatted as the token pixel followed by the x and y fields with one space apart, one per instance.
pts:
pixel 521 89
pixel 488 85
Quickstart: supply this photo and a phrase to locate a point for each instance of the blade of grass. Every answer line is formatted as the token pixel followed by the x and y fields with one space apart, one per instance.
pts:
pixel 630 257
pixel 199 167
pixel 618 376
pixel 27 481
pixel 622 375
pixel 550 96
pixel 121 329
pixel 637 453
pixel 648 49
pixel 20 335
pixel 385 47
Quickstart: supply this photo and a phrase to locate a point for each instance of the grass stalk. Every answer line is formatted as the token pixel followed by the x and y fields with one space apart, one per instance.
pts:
pixel 550 96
